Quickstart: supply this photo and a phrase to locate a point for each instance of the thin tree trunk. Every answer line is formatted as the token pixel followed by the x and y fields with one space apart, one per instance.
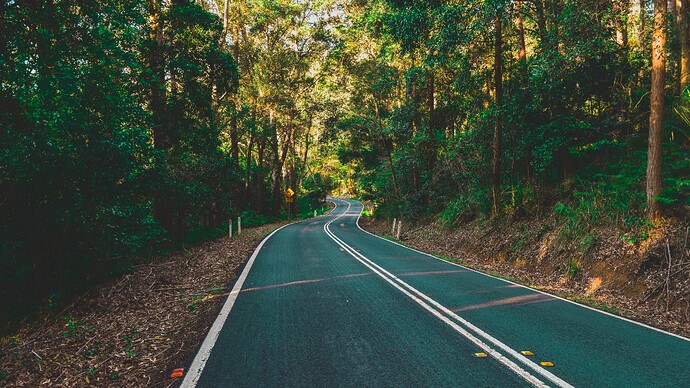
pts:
pixel 684 38
pixel 278 163
pixel 673 56
pixel 498 80
pixel 389 153
pixel 161 205
pixel 657 109
pixel 247 180
pixel 431 151
pixel 519 25
pixel 641 17
pixel 157 89
pixel 259 180
pixel 621 23
pixel 307 142
pixel 234 136
pixel 225 19
pixel 541 22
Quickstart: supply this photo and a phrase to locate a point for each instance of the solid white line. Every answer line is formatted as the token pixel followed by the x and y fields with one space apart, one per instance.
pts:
pixel 390 279
pixel 194 373
pixel 555 379
pixel 527 288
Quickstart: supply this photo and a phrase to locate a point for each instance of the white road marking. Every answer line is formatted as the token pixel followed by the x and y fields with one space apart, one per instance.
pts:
pixel 418 296
pixel 194 373
pixel 192 377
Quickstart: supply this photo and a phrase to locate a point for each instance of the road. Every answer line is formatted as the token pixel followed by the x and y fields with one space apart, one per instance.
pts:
pixel 324 303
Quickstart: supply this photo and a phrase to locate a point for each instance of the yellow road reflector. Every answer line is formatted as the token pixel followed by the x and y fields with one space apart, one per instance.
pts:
pixel 480 355
pixel 527 353
pixel 546 363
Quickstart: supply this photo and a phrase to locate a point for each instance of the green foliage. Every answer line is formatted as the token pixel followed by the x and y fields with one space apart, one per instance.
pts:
pixel 591 301
pixel 80 175
pixel 114 375
pixel 571 269
pixel 71 326
pixel 466 207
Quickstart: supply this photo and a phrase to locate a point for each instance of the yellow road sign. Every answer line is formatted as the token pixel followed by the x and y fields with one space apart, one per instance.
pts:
pixel 289 192
pixel 288 199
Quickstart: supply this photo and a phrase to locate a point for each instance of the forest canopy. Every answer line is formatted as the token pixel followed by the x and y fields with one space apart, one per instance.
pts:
pixel 131 127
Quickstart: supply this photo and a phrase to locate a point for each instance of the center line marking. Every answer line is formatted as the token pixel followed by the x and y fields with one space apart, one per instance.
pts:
pixel 420 299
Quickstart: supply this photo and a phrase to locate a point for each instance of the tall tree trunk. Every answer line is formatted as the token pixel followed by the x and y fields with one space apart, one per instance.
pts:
pixel 157 88
pixel 684 38
pixel 641 21
pixel 234 136
pixel 431 151
pixel 551 12
pixel 519 25
pixel 225 19
pixel 412 101
pixel 389 153
pixel 248 172
pixel 498 81
pixel 621 23
pixel 162 208
pixel 673 56
pixel 541 22
pixel 656 117
pixel 259 177
pixel 278 163
pixel 305 157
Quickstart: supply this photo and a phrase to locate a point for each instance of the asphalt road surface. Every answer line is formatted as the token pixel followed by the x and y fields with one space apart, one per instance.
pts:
pixel 324 303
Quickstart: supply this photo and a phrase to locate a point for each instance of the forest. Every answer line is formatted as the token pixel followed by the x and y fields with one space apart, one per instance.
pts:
pixel 135 127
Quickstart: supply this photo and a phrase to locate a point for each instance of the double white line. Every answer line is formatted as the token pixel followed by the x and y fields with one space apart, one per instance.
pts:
pixel 450 318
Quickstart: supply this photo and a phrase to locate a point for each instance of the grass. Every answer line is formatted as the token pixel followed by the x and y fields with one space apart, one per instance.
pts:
pixel 590 301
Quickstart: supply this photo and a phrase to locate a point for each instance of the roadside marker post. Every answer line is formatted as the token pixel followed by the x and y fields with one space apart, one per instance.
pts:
pixel 289 199
pixel 314 213
pixel 239 225
pixel 397 236
pixel 393 230
pixel 230 228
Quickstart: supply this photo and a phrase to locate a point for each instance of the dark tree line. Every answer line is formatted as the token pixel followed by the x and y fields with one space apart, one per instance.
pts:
pixel 134 126
pixel 128 129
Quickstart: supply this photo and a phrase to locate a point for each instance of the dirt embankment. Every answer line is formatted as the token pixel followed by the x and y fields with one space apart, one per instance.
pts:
pixel 648 281
pixel 135 331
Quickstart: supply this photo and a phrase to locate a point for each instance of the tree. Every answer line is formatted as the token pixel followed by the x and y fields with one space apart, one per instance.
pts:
pixel 684 38
pixel 656 114
pixel 498 85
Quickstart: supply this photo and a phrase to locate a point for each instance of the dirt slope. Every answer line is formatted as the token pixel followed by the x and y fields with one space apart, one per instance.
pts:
pixel 648 281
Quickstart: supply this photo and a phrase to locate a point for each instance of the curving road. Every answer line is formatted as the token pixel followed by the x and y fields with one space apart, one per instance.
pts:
pixel 324 303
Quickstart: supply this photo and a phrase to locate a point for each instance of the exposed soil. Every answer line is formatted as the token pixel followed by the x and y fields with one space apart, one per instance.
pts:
pixel 134 331
pixel 648 281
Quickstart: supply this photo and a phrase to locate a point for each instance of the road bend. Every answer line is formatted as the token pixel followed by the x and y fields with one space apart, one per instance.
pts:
pixel 324 303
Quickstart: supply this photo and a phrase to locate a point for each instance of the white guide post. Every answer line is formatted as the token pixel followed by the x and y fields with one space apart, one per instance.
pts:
pixel 239 225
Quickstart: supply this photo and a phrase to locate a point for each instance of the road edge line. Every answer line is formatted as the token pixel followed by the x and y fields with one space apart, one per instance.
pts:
pixel 438 309
pixel 410 293
pixel 202 356
pixel 525 287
